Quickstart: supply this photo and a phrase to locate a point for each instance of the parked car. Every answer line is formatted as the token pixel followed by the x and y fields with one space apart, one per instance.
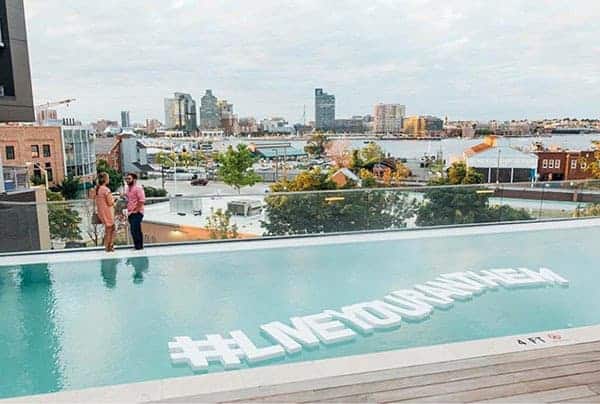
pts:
pixel 200 181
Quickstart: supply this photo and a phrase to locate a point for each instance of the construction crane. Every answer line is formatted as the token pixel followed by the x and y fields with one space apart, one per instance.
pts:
pixel 46 106
pixel 42 110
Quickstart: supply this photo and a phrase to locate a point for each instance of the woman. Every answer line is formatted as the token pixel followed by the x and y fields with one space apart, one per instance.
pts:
pixel 104 209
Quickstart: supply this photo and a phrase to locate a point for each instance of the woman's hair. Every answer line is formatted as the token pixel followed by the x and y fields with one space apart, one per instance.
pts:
pixel 101 180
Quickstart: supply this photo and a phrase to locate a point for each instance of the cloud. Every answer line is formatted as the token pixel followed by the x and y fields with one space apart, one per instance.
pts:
pixel 464 59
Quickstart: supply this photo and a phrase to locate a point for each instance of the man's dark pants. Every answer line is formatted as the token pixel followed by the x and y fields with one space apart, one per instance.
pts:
pixel 135 226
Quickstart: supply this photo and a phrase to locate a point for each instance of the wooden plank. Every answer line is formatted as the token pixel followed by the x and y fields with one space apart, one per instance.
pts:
pixel 547 396
pixel 521 387
pixel 465 389
pixel 548 354
pixel 589 399
pixel 435 378
pixel 595 388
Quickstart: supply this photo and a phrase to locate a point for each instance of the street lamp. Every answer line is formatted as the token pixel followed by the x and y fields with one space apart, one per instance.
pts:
pixel 174 173
pixel 42 169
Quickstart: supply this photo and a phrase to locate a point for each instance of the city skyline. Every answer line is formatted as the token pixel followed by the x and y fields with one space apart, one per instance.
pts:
pixel 467 60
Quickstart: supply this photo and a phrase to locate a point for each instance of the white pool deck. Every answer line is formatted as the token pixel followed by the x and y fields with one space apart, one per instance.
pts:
pixel 565 367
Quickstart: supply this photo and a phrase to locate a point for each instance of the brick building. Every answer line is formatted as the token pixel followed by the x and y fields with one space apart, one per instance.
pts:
pixel 109 149
pixel 22 145
pixel 564 165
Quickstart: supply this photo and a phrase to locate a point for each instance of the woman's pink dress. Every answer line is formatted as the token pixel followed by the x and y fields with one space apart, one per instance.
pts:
pixel 104 206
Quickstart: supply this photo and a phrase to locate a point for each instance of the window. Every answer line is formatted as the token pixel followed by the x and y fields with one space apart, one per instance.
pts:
pixel 35 151
pixel 10 152
pixel 545 163
pixel 556 163
pixel 573 164
pixel 49 174
pixel 551 164
pixel 583 165
pixel 46 150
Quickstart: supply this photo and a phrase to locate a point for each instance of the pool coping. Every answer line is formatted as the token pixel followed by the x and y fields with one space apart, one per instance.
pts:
pixel 319 374
pixel 51 257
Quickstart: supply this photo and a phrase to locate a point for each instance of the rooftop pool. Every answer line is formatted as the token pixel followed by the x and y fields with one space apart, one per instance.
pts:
pixel 77 320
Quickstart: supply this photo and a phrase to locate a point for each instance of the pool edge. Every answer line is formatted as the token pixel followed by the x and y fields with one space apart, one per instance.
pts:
pixel 65 256
pixel 320 373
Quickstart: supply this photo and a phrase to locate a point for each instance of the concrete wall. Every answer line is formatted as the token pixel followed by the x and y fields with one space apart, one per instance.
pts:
pixel 24 227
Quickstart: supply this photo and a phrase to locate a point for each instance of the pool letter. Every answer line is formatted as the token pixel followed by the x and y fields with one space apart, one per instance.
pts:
pixel 289 337
pixel 376 314
pixel 422 299
pixel 407 309
pixel 254 354
pixel 552 277
pixel 328 330
pixel 348 316
pixel 461 280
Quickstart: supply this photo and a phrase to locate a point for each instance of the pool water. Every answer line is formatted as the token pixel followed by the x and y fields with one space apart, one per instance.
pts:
pixel 85 324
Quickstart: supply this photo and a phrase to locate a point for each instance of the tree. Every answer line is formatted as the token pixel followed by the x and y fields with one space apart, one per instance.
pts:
pixel 69 187
pixel 356 162
pixel 63 221
pixel 314 213
pixel 372 153
pixel 339 152
pixel 37 180
pixel 317 145
pixel 116 177
pixel 448 203
pixel 235 167
pixel 220 227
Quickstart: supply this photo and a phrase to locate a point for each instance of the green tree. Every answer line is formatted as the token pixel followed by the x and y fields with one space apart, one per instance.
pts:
pixel 235 167
pixel 220 227
pixel 37 180
pixel 69 187
pixel 372 153
pixel 63 221
pixel 453 200
pixel 317 145
pixel 327 212
pixel 116 177
pixel 356 161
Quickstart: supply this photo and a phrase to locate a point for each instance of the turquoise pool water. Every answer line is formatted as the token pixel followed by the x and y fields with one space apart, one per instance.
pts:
pixel 84 324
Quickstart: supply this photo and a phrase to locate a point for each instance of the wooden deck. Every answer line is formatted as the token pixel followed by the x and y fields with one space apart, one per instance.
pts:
pixel 559 374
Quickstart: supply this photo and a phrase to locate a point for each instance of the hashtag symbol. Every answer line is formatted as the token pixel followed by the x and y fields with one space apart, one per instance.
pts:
pixel 197 354
pixel 215 348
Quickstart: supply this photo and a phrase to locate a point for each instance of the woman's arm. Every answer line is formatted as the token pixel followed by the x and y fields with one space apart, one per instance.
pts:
pixel 110 201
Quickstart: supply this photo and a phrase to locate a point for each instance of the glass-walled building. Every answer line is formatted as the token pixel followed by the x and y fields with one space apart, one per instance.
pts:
pixel 79 153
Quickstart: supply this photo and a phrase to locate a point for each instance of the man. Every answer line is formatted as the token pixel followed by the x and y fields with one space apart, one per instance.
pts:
pixel 135 209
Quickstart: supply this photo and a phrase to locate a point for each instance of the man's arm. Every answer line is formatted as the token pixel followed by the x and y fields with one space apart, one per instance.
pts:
pixel 141 200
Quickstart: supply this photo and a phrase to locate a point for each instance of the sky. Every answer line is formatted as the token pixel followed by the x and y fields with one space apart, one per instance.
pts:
pixel 465 59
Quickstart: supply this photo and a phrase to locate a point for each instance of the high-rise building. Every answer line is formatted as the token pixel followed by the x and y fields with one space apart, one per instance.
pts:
pixel 209 111
pixel 388 118
pixel 180 113
pixel 229 121
pixel 16 100
pixel 422 125
pixel 125 119
pixel 324 110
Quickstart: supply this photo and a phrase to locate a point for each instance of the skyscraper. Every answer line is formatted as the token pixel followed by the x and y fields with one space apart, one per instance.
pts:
pixel 209 111
pixel 324 110
pixel 16 100
pixel 125 119
pixel 388 118
pixel 180 113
